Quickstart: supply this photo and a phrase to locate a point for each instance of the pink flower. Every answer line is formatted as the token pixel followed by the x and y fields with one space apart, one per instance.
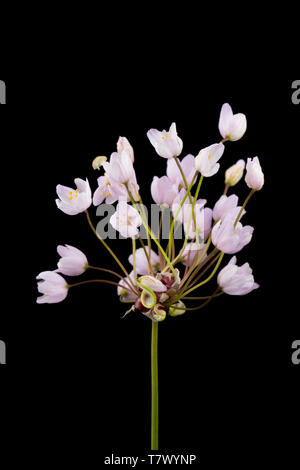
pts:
pixel 190 252
pixel 123 144
pixel 188 167
pixel 203 216
pixel 119 170
pixel 152 283
pixel 236 280
pixel 163 191
pixel 207 158
pixel 123 288
pixel 105 191
pixel 229 239
pixel 232 126
pixel 126 220
pixel 73 201
pixel 141 261
pixel 254 176
pixel 72 262
pixel 166 144
pixel 226 205
pixel 53 286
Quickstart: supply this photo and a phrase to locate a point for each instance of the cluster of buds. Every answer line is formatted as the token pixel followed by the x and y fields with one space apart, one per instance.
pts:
pixel 156 286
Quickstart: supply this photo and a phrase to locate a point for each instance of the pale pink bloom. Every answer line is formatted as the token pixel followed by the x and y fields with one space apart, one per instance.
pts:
pixel 188 168
pixel 123 144
pixel 53 287
pixel 141 261
pixel 226 205
pixel 236 280
pixel 234 174
pixel 119 168
pixel 126 220
pixel 191 251
pixel 72 262
pixel 126 293
pixel 254 177
pixel 232 126
pixel 166 144
pixel 203 216
pixel 163 191
pixel 207 158
pixel 152 283
pixel 105 191
pixel 228 238
pixel 73 201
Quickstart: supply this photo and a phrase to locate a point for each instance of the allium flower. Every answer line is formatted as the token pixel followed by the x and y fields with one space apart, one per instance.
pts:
pixel 188 168
pixel 123 288
pixel 53 286
pixel 126 220
pixel 254 177
pixel 163 191
pixel 152 283
pixel 235 173
pixel 73 201
pixel 120 168
pixel 72 262
pixel 228 238
pixel 105 191
pixel 207 158
pixel 191 251
pixel 203 216
pixel 141 261
pixel 232 126
pixel 166 144
pixel 227 205
pixel 236 280
pixel 123 144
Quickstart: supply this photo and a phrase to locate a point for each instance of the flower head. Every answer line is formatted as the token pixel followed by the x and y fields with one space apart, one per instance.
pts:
pixel 126 220
pixel 163 191
pixel 234 174
pixel 236 280
pixel 166 144
pixel 228 238
pixel 207 158
pixel 141 261
pixel 53 287
pixel 106 191
pixel 254 177
pixel 232 126
pixel 227 205
pixel 72 262
pixel 188 167
pixel 73 201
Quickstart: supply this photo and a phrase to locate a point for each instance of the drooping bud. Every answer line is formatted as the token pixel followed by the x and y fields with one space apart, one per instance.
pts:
pixel 176 310
pixel 98 161
pixel 235 173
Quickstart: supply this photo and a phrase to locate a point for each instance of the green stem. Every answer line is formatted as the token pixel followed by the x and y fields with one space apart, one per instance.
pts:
pixel 243 206
pixel 154 389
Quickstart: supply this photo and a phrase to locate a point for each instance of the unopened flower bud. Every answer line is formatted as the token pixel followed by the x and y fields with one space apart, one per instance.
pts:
pixel 235 173
pixel 98 162
pixel 254 176
pixel 177 310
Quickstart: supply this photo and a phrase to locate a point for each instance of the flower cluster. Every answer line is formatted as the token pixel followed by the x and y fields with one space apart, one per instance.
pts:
pixel 160 279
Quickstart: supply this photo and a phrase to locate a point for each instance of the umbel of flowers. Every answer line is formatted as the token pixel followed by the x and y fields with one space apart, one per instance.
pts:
pixel 161 280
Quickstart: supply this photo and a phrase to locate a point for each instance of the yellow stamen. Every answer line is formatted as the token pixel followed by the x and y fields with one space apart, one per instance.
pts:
pixel 108 194
pixel 71 197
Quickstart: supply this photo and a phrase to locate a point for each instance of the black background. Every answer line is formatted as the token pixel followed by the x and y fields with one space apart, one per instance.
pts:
pixel 77 378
